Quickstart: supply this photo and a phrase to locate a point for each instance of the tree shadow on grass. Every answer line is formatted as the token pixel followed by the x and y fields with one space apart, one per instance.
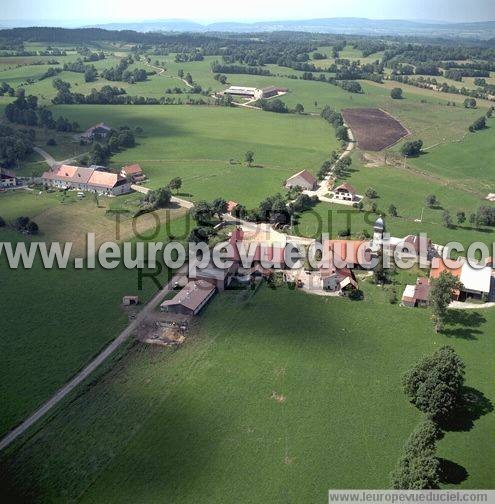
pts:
pixel 451 472
pixel 473 404
pixel 468 320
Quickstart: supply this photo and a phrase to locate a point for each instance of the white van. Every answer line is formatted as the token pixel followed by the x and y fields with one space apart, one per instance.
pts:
pixel 80 194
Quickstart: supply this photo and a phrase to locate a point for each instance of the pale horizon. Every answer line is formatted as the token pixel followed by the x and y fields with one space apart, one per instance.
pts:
pixel 59 11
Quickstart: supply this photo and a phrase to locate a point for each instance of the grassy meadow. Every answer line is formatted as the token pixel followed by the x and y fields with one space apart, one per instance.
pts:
pixel 198 142
pixel 277 395
pixel 277 383
pixel 55 320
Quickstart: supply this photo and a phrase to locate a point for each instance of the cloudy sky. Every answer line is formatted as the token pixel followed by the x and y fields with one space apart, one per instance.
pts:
pixel 253 10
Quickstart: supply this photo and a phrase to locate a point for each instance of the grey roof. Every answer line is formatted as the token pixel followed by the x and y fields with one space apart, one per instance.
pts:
pixel 192 295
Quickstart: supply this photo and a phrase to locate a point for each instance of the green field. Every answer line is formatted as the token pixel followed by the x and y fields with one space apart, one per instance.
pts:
pixel 55 320
pixel 197 143
pixel 407 190
pixel 201 424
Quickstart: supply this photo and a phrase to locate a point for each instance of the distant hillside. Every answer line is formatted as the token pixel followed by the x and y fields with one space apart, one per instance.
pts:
pixel 356 26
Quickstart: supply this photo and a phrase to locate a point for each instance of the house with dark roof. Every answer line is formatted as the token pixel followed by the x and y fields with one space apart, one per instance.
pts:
pixel 303 179
pixel 345 192
pixel 7 178
pixel 191 299
pixel 100 130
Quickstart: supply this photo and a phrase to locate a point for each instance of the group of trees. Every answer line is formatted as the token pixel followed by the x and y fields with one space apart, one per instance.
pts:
pixel 335 119
pixel 275 105
pixel 25 225
pixel 123 138
pixel 121 72
pixel 15 145
pixel 25 110
pixel 435 386
pixel 158 198
pixel 477 125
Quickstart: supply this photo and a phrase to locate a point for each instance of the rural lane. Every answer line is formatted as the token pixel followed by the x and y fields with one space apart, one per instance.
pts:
pixel 89 368
pixel 50 160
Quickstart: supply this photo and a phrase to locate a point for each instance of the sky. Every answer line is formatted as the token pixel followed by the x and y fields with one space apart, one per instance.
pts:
pixel 204 11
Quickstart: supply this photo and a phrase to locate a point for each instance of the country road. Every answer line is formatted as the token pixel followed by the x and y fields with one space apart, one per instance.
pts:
pixel 162 70
pixel 89 368
pixel 323 187
pixel 51 161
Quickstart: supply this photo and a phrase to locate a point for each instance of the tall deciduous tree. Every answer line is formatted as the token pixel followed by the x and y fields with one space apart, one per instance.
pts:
pixel 441 292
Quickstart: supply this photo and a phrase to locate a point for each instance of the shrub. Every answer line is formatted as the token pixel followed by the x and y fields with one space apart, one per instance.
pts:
pixel 411 149
pixel 396 93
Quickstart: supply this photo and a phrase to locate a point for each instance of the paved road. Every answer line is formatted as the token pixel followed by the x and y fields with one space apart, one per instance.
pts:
pixel 84 373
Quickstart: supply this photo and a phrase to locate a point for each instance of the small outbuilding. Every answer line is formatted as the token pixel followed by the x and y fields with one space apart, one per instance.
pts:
pixel 417 294
pixel 132 172
pixel 130 300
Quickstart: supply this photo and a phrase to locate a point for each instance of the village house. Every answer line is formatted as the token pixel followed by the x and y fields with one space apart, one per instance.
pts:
pixel 264 246
pixel 100 130
pixel 344 192
pixel 417 294
pixel 303 179
pixel 7 178
pixel 87 179
pixel 346 254
pixel 337 279
pixel 191 299
pixel 133 173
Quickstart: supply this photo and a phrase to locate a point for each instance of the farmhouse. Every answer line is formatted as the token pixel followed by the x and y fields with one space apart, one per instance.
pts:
pixel 264 246
pixel 99 130
pixel 7 178
pixel 254 93
pixel 476 282
pixel 303 179
pixel 132 172
pixel 345 192
pixel 417 294
pixel 87 179
pixel 346 253
pixel 191 299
